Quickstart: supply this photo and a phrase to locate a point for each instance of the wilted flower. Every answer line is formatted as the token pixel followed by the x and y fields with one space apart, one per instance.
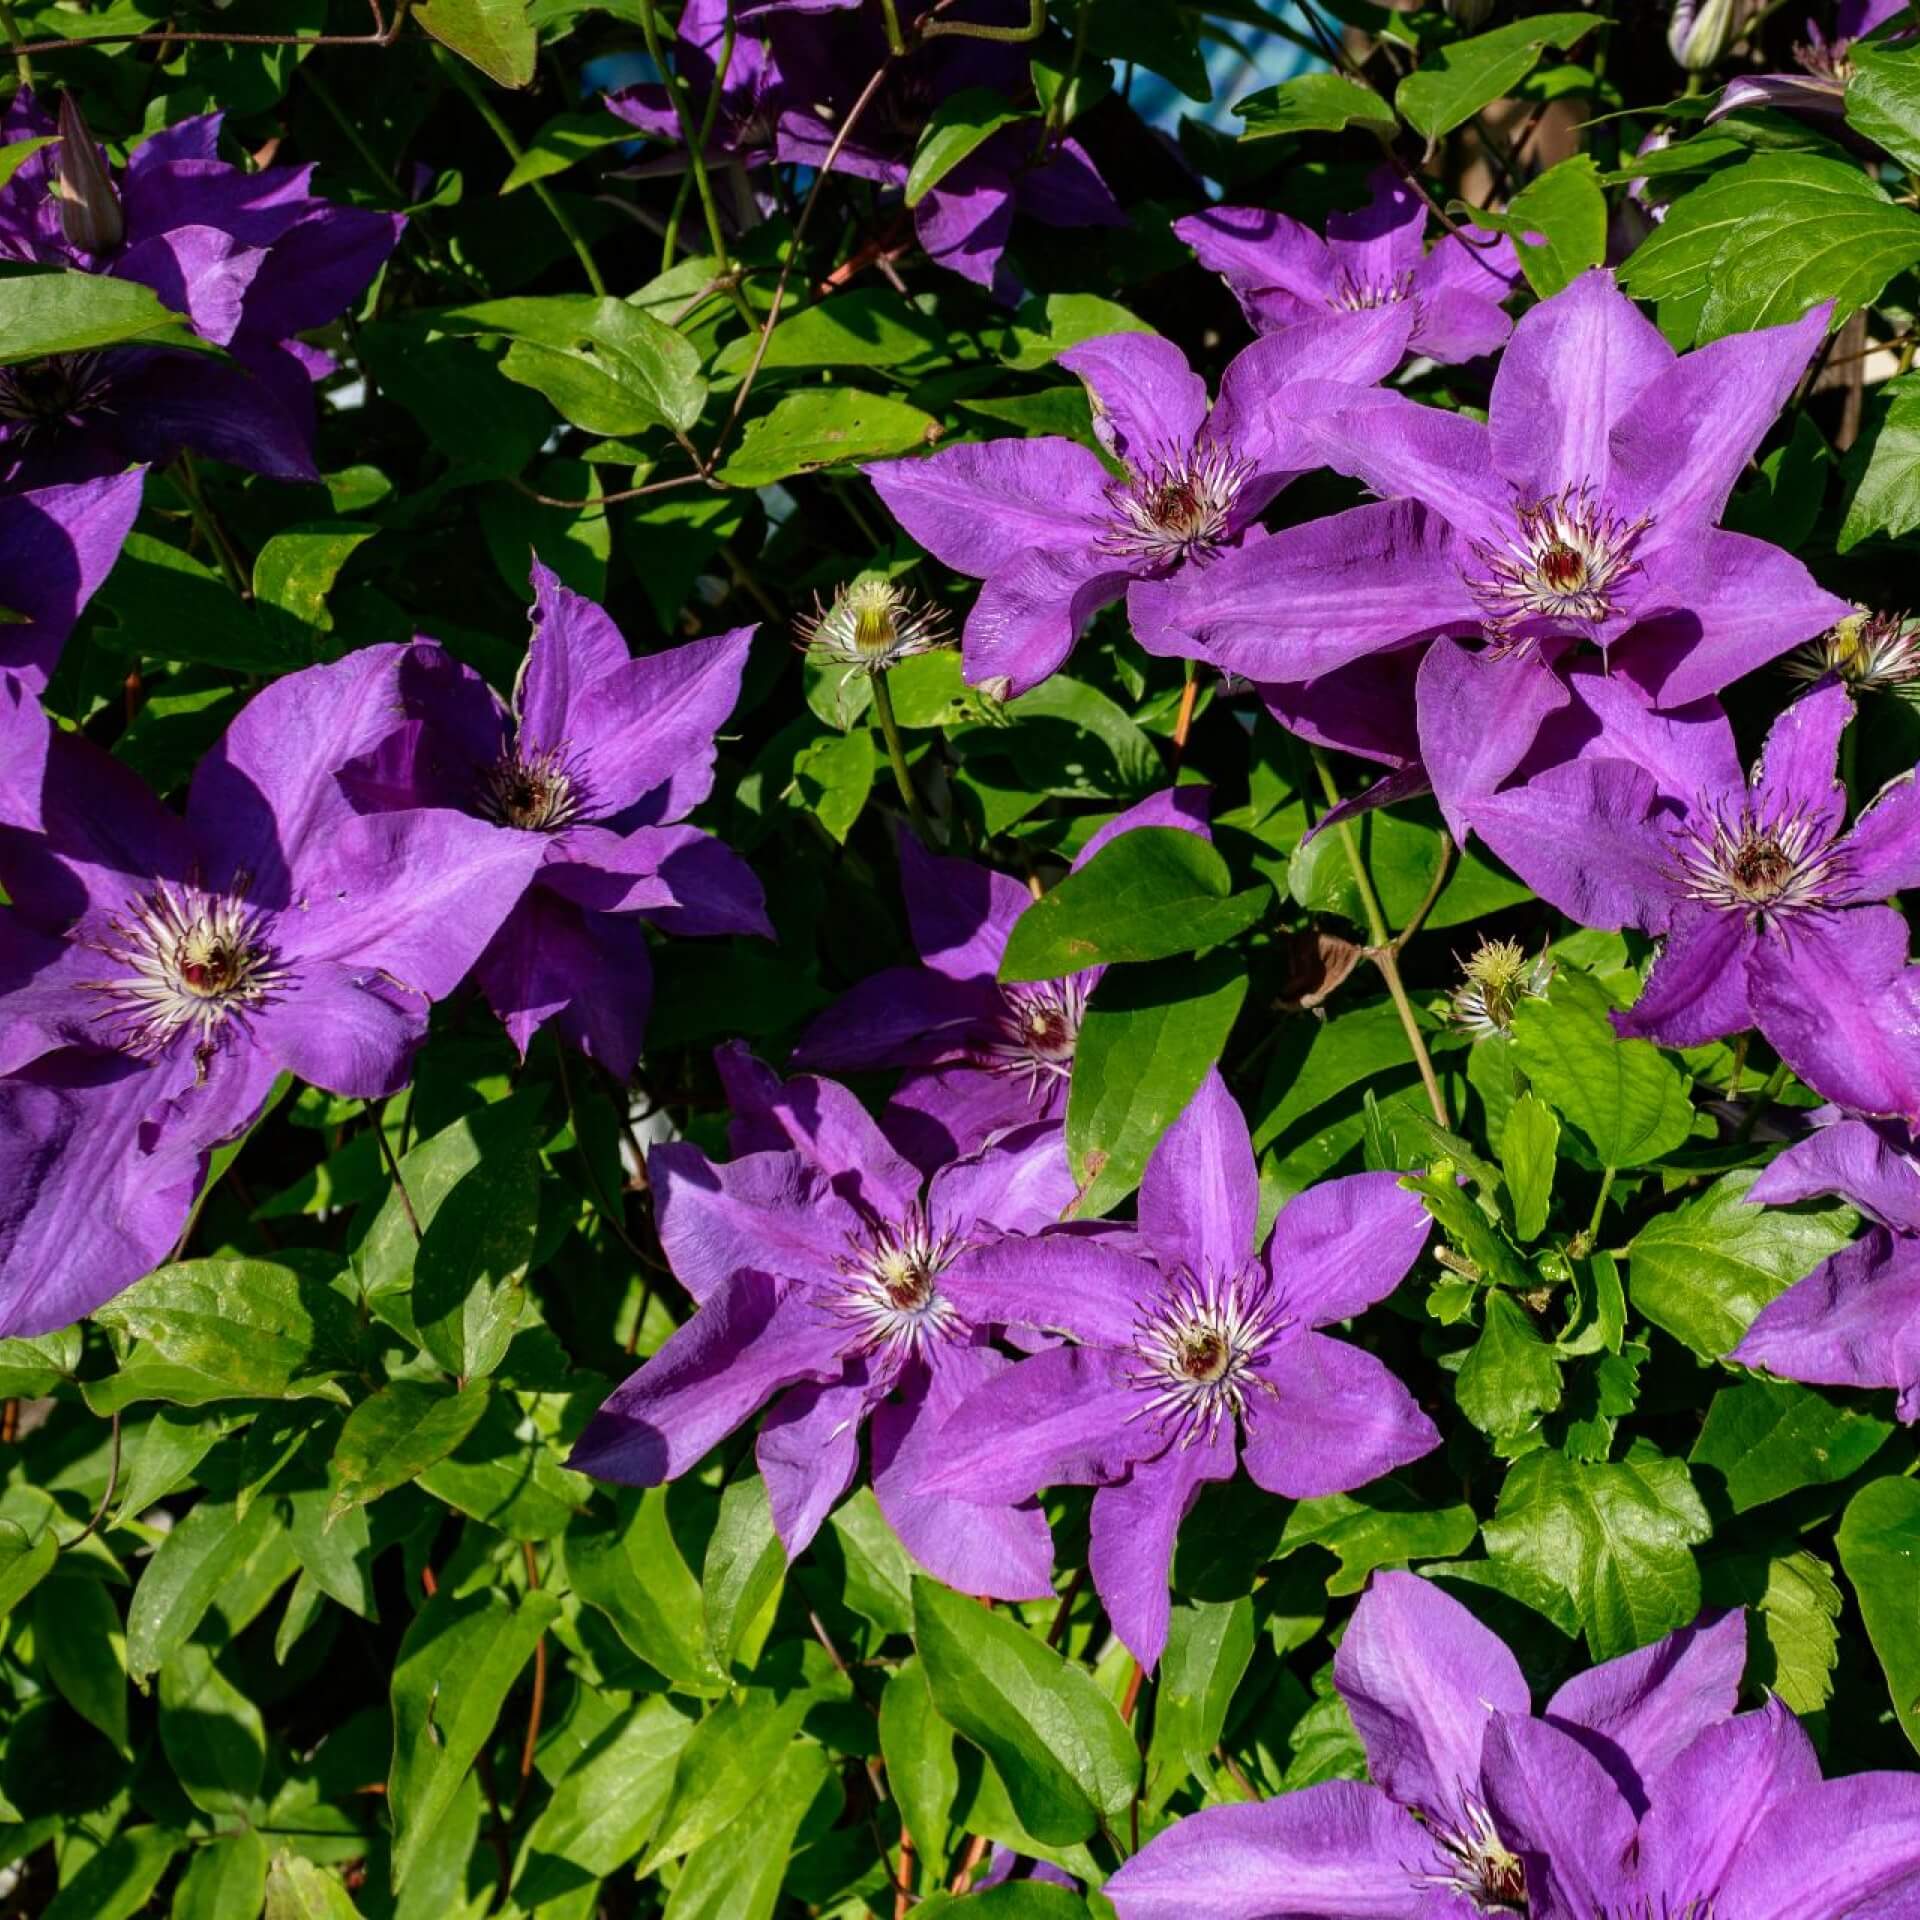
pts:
pixel 1193 1347
pixel 1871 652
pixel 872 625
pixel 1498 975
pixel 1638 1794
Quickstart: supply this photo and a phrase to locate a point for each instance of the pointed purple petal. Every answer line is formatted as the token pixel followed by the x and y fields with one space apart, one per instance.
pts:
pixel 770 1210
pixel 901 1016
pixel 1846 1849
pixel 1454 326
pixel 1382 240
pixel 1366 708
pixel 1054 1283
pixel 1030 612
pixel 1184 807
pixel 939 1113
pixel 56 547
pixel 343 1029
pixel 961 913
pixel 963 225
pixel 1403 450
pixel 808 1451
pixel 1556 1807
pixel 974 508
pixel 1478 717
pixel 1798 775
pixel 1883 850
pixel 1335 1420
pixel 199 271
pixel 573 646
pixel 1700 986
pixel 1420 1676
pixel 1854 1159
pixel 1200 1194
pixel 1339 1247
pixel 1254 248
pixel 1688 751
pixel 1019 1184
pixel 1148 404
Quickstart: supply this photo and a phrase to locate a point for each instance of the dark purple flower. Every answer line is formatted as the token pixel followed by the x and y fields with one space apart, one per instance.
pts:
pixel 964 221
pixel 1767 905
pixel 251 259
pixel 819 1258
pixel 750 90
pixel 1820 86
pixel 185 964
pixel 1639 1794
pixel 1056 536
pixel 56 547
pixel 982 1057
pixel 1282 272
pixel 1192 1347
pixel 590 772
pixel 1581 514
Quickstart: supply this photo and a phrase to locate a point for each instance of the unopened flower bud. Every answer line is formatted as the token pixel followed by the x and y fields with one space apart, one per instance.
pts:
pixel 90 214
pixel 1469 15
pixel 1698 32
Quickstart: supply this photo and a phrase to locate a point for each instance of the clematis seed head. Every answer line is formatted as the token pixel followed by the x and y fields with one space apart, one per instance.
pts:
pixel 1497 976
pixel 871 626
pixel 1872 652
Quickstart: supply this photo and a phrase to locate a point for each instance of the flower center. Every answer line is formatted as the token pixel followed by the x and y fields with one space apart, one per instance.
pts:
pixel 535 792
pixel 870 626
pixel 1477 1866
pixel 1497 977
pixel 1195 1353
pixel 1357 296
pixel 1039 1027
pixel 1564 561
pixel 890 1296
pixel 60 388
pixel 1871 652
pixel 1176 508
pixel 1757 867
pixel 1826 59
pixel 188 962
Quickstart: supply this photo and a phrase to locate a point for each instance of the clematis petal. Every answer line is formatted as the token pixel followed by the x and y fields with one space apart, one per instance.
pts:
pixel 342 1028
pixel 964 222
pixel 1031 611
pixel 1254 249
pixel 1366 708
pixel 1148 404
pixel 1688 751
pixel 961 913
pixel 1200 1194
pixel 1458 324
pixel 1135 1523
pixel 808 1450
pixel 1555 1806
pixel 1375 244
pixel 939 1113
pixel 1882 853
pixel 56 547
pixel 1798 774
pixel 1857 1159
pixel 1341 1246
pixel 1574 366
pixel 1478 717
pixel 1185 807
pixel 1019 1184
pixel 199 271
pixel 1336 1418
pixel 1053 1283
pixel 900 1016
pixel 771 1210
pixel 1404 450
pixel 1847 1847
pixel 1420 1676
pixel 1700 986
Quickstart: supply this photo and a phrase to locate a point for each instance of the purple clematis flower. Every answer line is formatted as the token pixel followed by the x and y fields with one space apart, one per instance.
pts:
pixel 251 259
pixel 1854 1321
pixel 1767 906
pixel 184 964
pixel 590 772
pixel 1581 515
pixel 819 1258
pixel 56 547
pixel 1282 272
pixel 751 90
pixel 981 1057
pixel 1192 1346
pixel 1820 87
pixel 1639 1794
pixel 1056 536
pixel 964 221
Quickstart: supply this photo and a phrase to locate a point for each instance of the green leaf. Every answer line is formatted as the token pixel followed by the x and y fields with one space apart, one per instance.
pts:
pixel 564 141
pixel 832 778
pixel 295 571
pixel 203 1552
pixel 1879 1543
pixel 470 1272
pixel 299 1890
pixel 1313 103
pixel 824 427
pixel 744 1569
pixel 879 1577
pixel 723 1768
pixel 225 1877
pixel 1793 1621
pixel 1770 1438
pixel 722 1879
pixel 1883 467
pixel 1149 894
pixel 1883 99
pixel 32 1367
pixel 605 1805
pixel 1208 1650
pixel 78 1636
pixel 866 328
pixel 73 312
pixel 918 1748
pixel 25 1560
pixel 396 1434
pixel 1624 1095
pixel 1452 86
pixel 959 124
pixel 458 1662
pixel 633 1572
pixel 1528 1144
pixel 1783 501
pixel 213 1735
pixel 493 35
pixel 1383 1524
pixel 16 153
pixel 1148 1037
pixel 233 1330
pixel 166 603
pixel 1704 1269
pixel 1567 209
pixel 1152 34
pixel 1060 1748
pixel 1763 242
pixel 506 1473
pixel 120 1879
pixel 1616 1537
pixel 1510 1376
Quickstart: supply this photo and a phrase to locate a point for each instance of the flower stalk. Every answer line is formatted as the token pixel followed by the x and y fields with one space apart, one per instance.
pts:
pixel 897 755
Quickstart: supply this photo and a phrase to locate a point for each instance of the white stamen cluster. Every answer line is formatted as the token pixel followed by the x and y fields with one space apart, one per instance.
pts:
pixel 1359 296
pixel 1758 867
pixel 189 962
pixel 1039 1028
pixel 1195 1352
pixel 1565 560
pixel 1496 978
pixel 890 1297
pixel 1175 506
pixel 1476 1865
pixel 60 388
pixel 871 626
pixel 537 792
pixel 1871 652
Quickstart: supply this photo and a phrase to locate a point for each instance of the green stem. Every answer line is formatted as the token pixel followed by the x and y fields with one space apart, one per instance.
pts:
pixel 1762 1101
pixel 890 732
pixel 22 60
pixel 1600 1205
pixel 890 18
pixel 1008 36
pixel 696 141
pixel 1381 952
pixel 456 70
pixel 187 482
